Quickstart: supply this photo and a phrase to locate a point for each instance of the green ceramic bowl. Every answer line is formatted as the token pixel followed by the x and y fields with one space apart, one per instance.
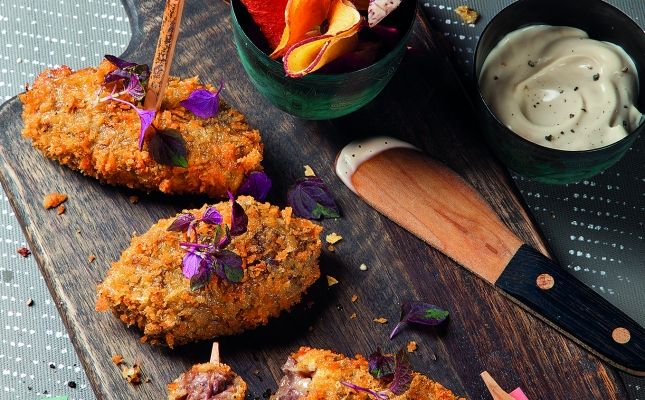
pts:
pixel 602 22
pixel 317 96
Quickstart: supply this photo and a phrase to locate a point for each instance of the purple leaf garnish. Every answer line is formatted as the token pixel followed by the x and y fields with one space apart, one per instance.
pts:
pixel 168 147
pixel 135 89
pixel 212 216
pixel 418 312
pixel 228 265
pixel 380 365
pixel 202 102
pixel 257 184
pixel 310 198
pixel 145 117
pixel 201 279
pixel 377 395
pixel 181 223
pixel 402 373
pixel 119 62
pixel 191 264
pixel 116 75
pixel 223 238
pixel 239 219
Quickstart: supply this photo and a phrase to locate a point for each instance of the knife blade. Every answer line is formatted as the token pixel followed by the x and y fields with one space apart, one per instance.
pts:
pixel 435 204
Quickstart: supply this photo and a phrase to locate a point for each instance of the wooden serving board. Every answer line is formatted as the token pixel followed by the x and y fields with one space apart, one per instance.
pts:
pixel 423 104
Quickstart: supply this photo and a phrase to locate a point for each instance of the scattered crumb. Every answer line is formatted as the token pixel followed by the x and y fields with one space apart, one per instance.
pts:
pixel 29 302
pixel 363 267
pixel 23 251
pixel 71 384
pixel 117 359
pixel 91 258
pixel 331 248
pixel 309 171
pixel 132 374
pixel 78 231
pixel 331 281
pixel 133 199
pixel 412 346
pixel 354 298
pixel 467 14
pixel 147 380
pixel 60 209
pixel 381 320
pixel 54 199
pixel 353 316
pixel 333 238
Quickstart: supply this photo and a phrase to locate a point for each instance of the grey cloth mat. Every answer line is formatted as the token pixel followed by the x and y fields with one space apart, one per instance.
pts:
pixel 594 228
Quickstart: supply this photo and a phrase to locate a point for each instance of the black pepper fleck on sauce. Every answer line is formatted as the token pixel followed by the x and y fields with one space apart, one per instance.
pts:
pixel 625 69
pixel 496 77
pixel 575 88
pixel 531 63
pixel 571 115
pixel 596 77
pixel 549 138
pixel 584 109
pixel 572 131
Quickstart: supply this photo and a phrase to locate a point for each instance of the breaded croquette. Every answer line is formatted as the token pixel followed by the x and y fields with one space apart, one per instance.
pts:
pixel 146 286
pixel 67 123
pixel 208 381
pixel 313 374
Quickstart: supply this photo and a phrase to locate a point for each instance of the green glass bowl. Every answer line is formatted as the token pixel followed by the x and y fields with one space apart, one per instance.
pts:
pixel 318 96
pixel 602 22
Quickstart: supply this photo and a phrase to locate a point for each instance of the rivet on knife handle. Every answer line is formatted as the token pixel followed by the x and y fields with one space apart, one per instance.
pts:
pixel 434 203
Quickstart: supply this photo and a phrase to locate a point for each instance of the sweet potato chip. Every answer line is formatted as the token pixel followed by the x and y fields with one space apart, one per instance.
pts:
pixel 301 17
pixel 313 53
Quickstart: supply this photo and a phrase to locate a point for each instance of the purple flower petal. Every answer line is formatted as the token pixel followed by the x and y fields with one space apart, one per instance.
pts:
pixel 212 216
pixel 239 219
pixel 202 277
pixel 119 62
pixel 223 239
pixel 418 312
pixel 146 117
pixel 181 223
pixel 256 184
pixel 116 75
pixel 228 265
pixel 202 102
pixel 135 89
pixel 310 198
pixel 377 395
pixel 191 264
pixel 380 365
pixel 402 373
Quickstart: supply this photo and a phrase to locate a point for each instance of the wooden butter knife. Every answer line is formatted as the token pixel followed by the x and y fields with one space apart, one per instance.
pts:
pixel 438 206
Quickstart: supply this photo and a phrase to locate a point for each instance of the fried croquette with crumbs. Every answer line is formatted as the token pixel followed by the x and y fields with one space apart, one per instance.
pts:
pixel 314 374
pixel 146 286
pixel 66 122
pixel 208 381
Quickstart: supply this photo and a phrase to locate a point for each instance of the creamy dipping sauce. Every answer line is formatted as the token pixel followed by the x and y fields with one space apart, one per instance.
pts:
pixel 556 87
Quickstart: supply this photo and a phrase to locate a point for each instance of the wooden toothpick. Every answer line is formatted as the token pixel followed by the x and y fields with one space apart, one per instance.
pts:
pixel 494 389
pixel 215 353
pixel 163 55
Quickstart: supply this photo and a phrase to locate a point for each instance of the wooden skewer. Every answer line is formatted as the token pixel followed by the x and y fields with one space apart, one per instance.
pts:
pixel 215 353
pixel 495 390
pixel 163 55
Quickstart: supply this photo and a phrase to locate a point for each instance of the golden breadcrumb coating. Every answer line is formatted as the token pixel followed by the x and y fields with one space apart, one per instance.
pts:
pixel 62 117
pixel 314 374
pixel 207 381
pixel 146 286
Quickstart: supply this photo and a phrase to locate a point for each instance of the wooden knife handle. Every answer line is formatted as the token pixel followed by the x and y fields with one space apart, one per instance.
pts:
pixel 552 294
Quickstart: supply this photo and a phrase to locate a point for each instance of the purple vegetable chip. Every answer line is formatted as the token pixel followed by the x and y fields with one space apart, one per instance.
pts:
pixel 168 147
pixel 191 264
pixel 402 373
pixel 228 265
pixel 377 395
pixel 181 223
pixel 239 219
pixel 212 216
pixel 119 62
pixel 257 184
pixel 202 102
pixel 380 365
pixel 418 312
pixel 310 198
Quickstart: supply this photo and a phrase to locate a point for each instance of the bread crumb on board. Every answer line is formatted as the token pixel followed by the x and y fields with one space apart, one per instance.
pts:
pixel 54 199
pixel 331 281
pixel 132 374
pixel 309 171
pixel 380 320
pixel 333 238
pixel 91 258
pixel 134 199
pixel 412 346
pixel 354 298
pixel 363 267
pixel 117 359
pixel 23 251
pixel 60 209
pixel 467 14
